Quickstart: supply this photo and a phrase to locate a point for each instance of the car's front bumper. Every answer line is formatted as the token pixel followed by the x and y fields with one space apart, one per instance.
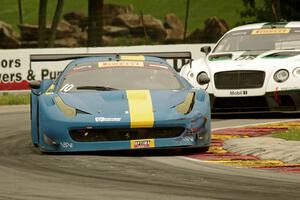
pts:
pixel 72 146
pixel 277 101
pixel 55 134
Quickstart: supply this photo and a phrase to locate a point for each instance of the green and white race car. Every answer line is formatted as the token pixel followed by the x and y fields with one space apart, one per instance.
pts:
pixel 253 68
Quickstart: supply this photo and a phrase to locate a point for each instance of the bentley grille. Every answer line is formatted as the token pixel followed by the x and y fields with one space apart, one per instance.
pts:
pixel 239 79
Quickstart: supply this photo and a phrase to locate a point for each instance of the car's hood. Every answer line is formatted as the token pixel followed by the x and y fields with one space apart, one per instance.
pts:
pixel 251 60
pixel 116 102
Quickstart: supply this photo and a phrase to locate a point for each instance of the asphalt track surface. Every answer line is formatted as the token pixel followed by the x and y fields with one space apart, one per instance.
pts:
pixel 27 174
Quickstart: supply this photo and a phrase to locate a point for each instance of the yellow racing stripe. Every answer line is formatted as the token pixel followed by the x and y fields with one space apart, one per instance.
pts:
pixel 140 108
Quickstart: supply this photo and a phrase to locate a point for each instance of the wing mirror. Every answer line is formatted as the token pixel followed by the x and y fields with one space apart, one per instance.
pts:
pixel 202 78
pixel 35 84
pixel 206 49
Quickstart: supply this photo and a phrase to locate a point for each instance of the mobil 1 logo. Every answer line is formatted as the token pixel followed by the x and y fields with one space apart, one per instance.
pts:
pixel 238 93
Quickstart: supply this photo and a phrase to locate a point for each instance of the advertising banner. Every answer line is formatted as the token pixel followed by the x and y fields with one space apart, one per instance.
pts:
pixel 17 68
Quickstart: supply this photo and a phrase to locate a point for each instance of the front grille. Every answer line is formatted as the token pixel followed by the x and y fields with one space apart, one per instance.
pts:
pixel 117 134
pixel 239 104
pixel 239 79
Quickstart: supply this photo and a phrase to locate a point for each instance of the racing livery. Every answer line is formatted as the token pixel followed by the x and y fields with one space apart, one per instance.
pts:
pixel 118 102
pixel 253 68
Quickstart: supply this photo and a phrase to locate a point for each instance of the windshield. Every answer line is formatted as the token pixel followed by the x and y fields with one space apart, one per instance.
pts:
pixel 260 40
pixel 92 76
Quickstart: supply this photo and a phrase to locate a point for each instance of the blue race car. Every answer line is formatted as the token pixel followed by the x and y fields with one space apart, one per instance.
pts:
pixel 116 103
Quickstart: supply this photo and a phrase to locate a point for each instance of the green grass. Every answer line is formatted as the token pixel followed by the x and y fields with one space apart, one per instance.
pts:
pixel 199 10
pixel 14 99
pixel 291 134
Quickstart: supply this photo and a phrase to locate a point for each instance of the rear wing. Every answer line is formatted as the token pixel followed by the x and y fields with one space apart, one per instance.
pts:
pixel 175 59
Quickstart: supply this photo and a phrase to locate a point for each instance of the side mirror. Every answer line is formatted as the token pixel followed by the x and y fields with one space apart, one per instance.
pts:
pixel 35 84
pixel 202 78
pixel 205 49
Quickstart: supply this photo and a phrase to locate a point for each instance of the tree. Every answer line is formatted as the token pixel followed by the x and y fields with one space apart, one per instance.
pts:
pixel 95 23
pixel 55 21
pixel 42 31
pixel 272 10
pixel 20 11
pixel 276 10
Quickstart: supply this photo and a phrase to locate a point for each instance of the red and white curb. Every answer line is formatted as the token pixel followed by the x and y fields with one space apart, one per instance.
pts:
pixel 217 154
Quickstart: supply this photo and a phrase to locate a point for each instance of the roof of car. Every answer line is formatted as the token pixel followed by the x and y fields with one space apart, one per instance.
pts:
pixel 293 24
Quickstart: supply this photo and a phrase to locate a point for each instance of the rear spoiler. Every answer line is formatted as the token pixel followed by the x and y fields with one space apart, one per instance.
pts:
pixel 178 59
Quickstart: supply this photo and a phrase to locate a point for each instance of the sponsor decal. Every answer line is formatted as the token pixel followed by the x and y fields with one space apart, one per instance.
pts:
pixel 66 145
pixel 139 144
pixel 121 64
pixel 10 64
pixel 105 119
pixel 48 74
pixel 271 31
pixel 238 92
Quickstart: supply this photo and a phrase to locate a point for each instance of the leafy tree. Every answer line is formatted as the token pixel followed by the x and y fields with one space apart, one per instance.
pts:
pixel 272 10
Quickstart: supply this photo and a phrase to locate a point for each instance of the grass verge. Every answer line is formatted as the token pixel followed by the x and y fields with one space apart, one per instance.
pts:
pixel 291 134
pixel 14 99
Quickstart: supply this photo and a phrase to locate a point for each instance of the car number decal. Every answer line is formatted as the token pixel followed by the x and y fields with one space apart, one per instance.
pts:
pixel 67 88
pixel 138 144
pixel 246 57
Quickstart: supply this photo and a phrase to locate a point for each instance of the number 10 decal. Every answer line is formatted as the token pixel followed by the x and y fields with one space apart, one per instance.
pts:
pixel 67 88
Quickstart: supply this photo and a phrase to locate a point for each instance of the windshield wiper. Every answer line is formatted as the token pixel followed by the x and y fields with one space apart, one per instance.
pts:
pixel 101 88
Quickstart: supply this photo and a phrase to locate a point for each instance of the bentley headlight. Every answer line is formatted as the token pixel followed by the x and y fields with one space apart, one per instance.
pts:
pixel 281 75
pixel 202 78
pixel 296 72
pixel 67 110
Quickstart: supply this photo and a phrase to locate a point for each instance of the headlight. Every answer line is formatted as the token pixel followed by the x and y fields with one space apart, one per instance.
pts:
pixel 202 78
pixel 186 106
pixel 296 72
pixel 281 75
pixel 67 110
